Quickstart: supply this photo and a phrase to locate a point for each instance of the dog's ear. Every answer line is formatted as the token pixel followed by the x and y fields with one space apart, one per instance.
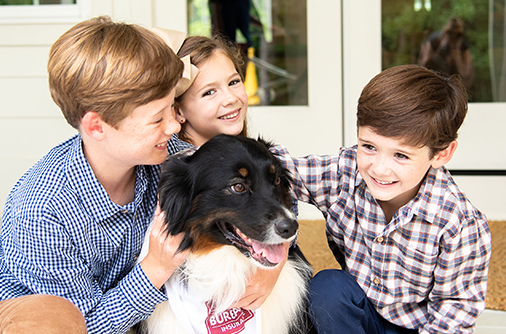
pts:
pixel 264 142
pixel 285 175
pixel 175 193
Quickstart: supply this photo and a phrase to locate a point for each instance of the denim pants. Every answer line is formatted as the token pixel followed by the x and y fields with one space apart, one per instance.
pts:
pixel 339 305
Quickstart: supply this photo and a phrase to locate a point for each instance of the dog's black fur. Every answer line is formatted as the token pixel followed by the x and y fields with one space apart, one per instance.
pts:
pixel 201 190
pixel 233 192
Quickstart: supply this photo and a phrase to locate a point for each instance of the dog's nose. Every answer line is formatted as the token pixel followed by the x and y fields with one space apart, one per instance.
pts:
pixel 287 228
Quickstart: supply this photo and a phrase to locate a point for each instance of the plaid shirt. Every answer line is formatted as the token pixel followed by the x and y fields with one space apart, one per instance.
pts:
pixel 62 235
pixel 426 268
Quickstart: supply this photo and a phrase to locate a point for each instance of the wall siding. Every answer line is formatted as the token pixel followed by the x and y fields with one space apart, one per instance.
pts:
pixel 30 122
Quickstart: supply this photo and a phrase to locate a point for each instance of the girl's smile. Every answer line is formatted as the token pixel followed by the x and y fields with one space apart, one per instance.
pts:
pixel 215 103
pixel 231 116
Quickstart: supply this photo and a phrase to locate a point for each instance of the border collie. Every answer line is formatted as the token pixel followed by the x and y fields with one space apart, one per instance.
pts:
pixel 232 200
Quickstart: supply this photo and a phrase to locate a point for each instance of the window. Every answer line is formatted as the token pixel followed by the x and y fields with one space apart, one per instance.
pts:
pixel 465 37
pixel 36 2
pixel 275 34
pixel 27 11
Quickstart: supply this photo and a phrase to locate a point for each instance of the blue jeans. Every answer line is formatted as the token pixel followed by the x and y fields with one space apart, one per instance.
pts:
pixel 339 305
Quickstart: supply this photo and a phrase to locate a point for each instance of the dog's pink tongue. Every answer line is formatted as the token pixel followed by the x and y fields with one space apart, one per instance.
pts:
pixel 273 253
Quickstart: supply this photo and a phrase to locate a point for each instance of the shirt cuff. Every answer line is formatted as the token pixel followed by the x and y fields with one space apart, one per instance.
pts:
pixel 140 292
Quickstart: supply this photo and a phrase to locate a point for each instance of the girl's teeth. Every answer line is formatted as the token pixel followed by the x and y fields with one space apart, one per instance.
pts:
pixel 384 183
pixel 230 116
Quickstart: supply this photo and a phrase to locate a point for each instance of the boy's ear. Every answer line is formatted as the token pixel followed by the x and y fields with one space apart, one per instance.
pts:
pixel 93 125
pixel 444 156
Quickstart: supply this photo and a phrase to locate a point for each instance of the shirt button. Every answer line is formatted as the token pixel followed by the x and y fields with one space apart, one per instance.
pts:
pixel 124 211
pixel 135 258
pixel 377 281
pixel 380 239
pixel 135 216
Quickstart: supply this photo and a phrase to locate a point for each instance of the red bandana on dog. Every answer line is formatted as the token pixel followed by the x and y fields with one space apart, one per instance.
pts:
pixel 231 321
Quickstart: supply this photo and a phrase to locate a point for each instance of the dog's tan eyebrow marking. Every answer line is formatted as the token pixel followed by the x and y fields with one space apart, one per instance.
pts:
pixel 243 172
pixel 272 170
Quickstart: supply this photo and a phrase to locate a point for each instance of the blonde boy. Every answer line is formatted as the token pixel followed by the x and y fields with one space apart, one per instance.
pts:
pixel 74 224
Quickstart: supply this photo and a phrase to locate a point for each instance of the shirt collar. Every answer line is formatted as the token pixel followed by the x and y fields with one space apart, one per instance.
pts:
pixel 89 190
pixel 427 202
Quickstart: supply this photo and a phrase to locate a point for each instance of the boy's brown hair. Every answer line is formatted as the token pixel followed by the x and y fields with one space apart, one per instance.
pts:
pixel 417 105
pixel 109 68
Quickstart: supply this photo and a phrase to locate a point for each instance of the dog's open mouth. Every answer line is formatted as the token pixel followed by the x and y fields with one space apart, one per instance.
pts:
pixel 268 255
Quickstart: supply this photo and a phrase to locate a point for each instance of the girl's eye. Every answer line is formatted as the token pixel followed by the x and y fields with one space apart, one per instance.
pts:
pixel 234 82
pixel 209 92
pixel 238 188
pixel 159 121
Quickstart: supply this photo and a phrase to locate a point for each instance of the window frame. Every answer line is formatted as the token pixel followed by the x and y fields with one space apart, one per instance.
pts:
pixel 480 137
pixel 45 13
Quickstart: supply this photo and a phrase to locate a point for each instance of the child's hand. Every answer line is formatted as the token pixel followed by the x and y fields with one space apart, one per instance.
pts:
pixel 162 258
pixel 260 285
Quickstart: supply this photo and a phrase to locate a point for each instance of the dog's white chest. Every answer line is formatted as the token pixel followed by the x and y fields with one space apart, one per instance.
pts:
pixel 198 318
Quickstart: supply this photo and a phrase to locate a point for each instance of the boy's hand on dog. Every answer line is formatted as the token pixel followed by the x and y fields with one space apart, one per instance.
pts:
pixel 162 258
pixel 260 285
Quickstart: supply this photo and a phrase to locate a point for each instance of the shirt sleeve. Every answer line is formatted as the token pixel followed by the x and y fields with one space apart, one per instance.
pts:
pixel 44 258
pixel 460 278
pixel 315 178
pixel 318 180
pixel 133 300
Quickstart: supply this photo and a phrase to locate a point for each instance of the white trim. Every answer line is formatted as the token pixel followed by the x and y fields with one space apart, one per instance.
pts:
pixel 361 57
pixel 45 13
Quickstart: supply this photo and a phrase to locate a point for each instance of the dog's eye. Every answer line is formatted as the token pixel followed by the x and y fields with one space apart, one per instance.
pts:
pixel 277 181
pixel 238 188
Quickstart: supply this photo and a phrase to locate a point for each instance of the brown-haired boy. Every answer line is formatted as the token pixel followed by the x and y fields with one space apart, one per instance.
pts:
pixel 74 224
pixel 414 250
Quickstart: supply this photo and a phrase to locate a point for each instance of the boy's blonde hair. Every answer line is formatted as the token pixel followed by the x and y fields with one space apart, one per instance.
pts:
pixel 109 68
pixel 417 105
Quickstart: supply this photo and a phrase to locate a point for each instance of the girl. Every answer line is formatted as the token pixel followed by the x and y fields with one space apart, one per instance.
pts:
pixel 216 102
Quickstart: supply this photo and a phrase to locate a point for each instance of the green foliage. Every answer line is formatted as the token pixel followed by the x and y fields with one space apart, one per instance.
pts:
pixel 15 2
pixel 404 30
pixel 199 18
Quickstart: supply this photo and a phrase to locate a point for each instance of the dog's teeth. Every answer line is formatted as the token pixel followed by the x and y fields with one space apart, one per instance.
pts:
pixel 244 237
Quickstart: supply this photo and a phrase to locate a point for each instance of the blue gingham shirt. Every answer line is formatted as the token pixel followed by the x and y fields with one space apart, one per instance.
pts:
pixel 176 145
pixel 62 235
pixel 426 268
